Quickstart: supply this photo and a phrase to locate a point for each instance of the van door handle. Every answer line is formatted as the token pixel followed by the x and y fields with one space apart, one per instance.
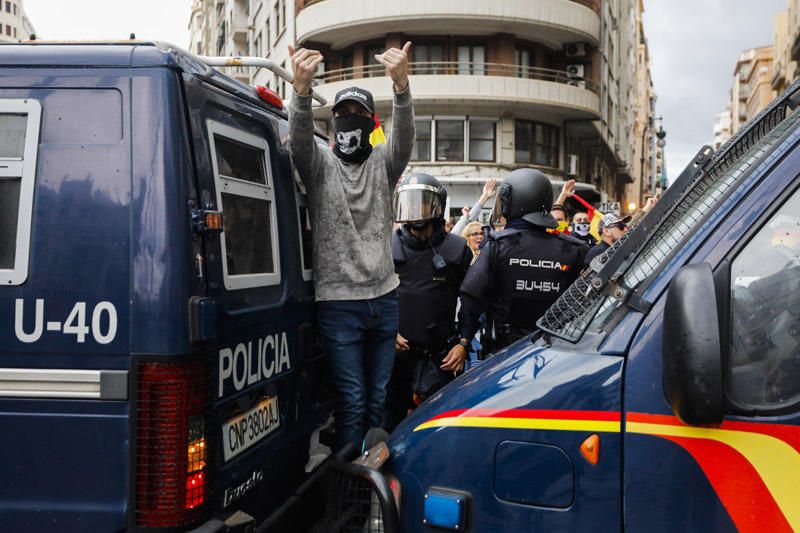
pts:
pixel 202 319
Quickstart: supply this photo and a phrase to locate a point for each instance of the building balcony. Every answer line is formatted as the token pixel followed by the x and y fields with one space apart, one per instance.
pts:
pixel 341 23
pixel 779 77
pixel 488 88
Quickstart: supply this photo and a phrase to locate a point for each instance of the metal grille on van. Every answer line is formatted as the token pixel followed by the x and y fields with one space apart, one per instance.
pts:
pixel 616 274
pixel 172 449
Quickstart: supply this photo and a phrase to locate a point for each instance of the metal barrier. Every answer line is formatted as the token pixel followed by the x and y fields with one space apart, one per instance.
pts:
pixel 359 500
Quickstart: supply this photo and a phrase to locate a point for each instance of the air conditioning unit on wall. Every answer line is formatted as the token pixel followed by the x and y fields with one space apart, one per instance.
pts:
pixel 575 49
pixel 575 70
pixel 575 74
pixel 572 165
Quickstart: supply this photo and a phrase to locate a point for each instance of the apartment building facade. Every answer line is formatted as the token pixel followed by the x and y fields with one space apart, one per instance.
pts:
pixel 551 84
pixel 648 158
pixel 786 46
pixel 14 23
pixel 762 73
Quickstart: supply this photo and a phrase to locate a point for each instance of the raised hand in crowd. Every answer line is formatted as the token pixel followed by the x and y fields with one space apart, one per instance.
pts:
pixel 566 191
pixel 396 62
pixel 488 190
pixel 650 203
pixel 304 66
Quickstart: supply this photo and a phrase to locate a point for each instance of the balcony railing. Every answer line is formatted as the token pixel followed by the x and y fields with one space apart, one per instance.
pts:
pixel 462 68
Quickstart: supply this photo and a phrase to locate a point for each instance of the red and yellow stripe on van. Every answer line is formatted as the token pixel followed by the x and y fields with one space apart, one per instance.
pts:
pixel 753 467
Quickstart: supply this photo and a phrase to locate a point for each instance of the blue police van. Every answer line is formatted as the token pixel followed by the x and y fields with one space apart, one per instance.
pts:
pixel 158 364
pixel 660 393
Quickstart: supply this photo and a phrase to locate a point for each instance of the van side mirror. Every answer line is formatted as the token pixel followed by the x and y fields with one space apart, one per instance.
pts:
pixel 691 348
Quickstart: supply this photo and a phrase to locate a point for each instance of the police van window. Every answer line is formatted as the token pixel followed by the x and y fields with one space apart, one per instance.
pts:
pixel 19 136
pixel 765 308
pixel 304 223
pixel 245 194
pixel 238 161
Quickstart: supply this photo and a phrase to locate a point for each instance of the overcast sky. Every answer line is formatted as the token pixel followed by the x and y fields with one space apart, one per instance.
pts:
pixel 694 45
pixel 163 20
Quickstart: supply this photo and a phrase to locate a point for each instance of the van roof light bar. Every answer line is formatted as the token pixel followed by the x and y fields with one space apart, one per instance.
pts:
pixel 258 62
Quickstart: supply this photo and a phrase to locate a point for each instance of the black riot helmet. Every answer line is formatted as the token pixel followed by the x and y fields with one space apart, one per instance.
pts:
pixel 419 198
pixel 527 194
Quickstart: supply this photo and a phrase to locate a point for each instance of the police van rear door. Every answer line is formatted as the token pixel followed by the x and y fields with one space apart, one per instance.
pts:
pixel 263 389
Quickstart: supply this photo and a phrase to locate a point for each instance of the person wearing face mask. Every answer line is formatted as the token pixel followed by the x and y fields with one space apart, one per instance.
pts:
pixel 579 229
pixel 431 264
pixel 350 201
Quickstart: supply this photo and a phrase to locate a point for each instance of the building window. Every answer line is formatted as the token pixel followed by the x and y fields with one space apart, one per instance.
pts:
pixel 522 58
pixel 245 195
pixel 281 83
pixel 304 219
pixel 221 39
pixel 535 143
pixel 15 9
pixel 279 11
pixel 482 140
pixel 19 134
pixel 347 64
pixel 472 59
pixel 8 30
pixel 422 144
pixel 374 67
pixel 8 7
pixel 450 140
pixel 428 53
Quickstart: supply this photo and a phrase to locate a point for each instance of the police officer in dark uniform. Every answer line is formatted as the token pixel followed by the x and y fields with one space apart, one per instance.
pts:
pixel 522 269
pixel 431 265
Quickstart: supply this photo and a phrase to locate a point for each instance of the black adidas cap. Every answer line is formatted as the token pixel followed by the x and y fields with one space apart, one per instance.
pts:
pixel 355 94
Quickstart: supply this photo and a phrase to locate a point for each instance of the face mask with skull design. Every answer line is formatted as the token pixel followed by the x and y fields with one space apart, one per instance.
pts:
pixel 352 137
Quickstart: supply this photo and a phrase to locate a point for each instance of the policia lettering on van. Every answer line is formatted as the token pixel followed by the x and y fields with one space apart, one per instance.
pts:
pixel 523 268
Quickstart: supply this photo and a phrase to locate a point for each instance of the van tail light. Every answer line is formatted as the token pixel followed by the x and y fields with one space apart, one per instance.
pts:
pixel 269 96
pixel 172 452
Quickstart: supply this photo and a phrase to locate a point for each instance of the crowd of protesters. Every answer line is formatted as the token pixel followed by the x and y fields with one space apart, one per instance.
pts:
pixel 390 271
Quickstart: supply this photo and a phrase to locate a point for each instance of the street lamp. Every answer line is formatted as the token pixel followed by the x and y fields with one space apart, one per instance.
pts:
pixel 660 134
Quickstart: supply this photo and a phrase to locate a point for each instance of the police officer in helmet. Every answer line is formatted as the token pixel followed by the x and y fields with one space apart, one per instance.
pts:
pixel 522 269
pixel 431 264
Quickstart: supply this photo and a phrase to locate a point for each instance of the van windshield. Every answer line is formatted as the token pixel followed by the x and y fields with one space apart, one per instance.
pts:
pixel 648 248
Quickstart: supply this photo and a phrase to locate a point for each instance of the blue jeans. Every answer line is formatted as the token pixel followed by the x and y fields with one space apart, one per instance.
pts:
pixel 359 340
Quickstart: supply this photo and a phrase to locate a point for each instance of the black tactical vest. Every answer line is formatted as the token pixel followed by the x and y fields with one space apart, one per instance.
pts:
pixel 428 295
pixel 532 268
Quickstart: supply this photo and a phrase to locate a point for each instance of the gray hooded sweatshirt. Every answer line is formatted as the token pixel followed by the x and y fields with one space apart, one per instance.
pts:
pixel 351 204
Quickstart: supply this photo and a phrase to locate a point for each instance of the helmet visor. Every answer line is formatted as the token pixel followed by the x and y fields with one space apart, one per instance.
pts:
pixel 417 203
